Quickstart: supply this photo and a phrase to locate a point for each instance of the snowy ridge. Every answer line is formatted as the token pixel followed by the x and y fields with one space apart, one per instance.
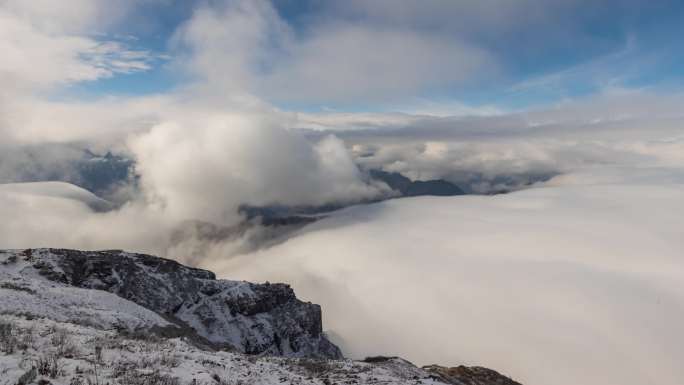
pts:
pixel 241 316
pixel 24 292
pixel 138 361
pixel 71 317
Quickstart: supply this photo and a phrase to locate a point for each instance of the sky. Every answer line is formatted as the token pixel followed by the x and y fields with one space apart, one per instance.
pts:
pixel 572 105
pixel 382 56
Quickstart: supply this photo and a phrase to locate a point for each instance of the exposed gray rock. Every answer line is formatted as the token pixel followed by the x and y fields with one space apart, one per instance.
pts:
pixel 123 303
pixel 408 188
pixel 127 360
pixel 469 375
pixel 247 317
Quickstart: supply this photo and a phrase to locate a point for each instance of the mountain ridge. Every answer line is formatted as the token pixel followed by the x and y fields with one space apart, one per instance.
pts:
pixel 242 316
pixel 179 318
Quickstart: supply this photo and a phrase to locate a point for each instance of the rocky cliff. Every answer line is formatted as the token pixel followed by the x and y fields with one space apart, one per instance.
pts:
pixel 80 317
pixel 242 316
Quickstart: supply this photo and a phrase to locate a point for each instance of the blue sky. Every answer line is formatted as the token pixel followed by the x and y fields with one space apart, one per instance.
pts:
pixel 534 53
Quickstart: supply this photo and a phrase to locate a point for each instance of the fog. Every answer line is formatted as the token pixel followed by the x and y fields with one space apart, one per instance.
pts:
pixel 552 285
pixel 206 168
pixel 574 277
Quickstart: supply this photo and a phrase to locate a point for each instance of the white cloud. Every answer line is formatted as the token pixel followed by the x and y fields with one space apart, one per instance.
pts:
pixel 203 165
pixel 571 284
pixel 620 127
pixel 344 121
pixel 224 45
pixel 346 62
pixel 106 122
pixel 490 17
pixel 247 46
pixel 544 273
pixel 225 146
pixel 61 215
pixel 45 45
pixel 53 17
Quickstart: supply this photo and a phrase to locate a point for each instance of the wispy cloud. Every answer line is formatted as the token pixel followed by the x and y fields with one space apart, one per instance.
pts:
pixel 39 56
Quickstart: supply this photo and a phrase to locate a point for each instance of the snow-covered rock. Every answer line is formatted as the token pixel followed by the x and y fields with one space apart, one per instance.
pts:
pixel 473 375
pixel 57 353
pixel 136 291
pixel 23 291
pixel 72 317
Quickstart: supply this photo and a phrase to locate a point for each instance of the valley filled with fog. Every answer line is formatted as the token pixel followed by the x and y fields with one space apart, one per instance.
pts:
pixel 542 238
pixel 582 268
pixel 584 276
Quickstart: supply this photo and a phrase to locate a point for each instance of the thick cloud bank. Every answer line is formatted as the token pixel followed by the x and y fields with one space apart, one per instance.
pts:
pixel 557 285
pixel 205 167
pixel 578 279
pixel 508 151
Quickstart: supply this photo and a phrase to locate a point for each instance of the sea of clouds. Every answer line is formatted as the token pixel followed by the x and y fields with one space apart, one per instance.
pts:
pixel 576 277
pixel 552 285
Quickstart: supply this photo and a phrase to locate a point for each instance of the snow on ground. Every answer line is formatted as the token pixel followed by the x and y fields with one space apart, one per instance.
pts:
pixel 72 336
pixel 24 292
pixel 69 354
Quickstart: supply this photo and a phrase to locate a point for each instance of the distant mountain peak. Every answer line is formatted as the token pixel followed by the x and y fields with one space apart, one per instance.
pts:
pixel 408 188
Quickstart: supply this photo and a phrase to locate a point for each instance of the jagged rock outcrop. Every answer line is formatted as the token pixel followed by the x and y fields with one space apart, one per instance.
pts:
pixel 469 375
pixel 247 317
pixel 408 188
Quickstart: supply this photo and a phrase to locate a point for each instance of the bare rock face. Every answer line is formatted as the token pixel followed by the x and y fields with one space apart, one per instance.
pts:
pixel 247 317
pixel 469 375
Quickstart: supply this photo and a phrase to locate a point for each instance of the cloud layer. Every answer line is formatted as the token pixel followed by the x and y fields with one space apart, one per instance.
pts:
pixel 509 150
pixel 577 279
pixel 570 284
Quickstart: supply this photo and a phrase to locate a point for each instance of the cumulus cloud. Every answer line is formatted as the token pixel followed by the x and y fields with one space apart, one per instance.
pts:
pixel 193 162
pixel 201 151
pixel 218 137
pixel 205 167
pixel 47 47
pixel 225 44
